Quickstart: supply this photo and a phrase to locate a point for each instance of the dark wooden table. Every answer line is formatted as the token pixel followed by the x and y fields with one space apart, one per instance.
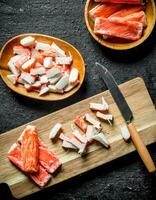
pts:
pixel 125 178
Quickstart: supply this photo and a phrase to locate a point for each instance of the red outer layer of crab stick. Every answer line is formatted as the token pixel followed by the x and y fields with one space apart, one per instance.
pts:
pixel 121 1
pixel 29 149
pixel 116 28
pixel 81 124
pixel 41 177
pixel 104 10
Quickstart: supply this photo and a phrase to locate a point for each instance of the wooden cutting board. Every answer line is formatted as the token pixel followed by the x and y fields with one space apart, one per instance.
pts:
pixel 144 119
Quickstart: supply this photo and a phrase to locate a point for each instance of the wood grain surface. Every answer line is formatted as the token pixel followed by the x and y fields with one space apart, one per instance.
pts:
pixel 116 43
pixel 144 120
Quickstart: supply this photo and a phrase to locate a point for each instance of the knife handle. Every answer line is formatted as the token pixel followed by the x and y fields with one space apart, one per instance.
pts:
pixel 141 148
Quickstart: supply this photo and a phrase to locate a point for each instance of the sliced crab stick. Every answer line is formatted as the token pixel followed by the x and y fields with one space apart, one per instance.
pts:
pixel 49 53
pixel 43 79
pixel 79 145
pixel 64 60
pixel 97 106
pixel 107 117
pixel 55 131
pixel 52 88
pixel 37 55
pixel 81 124
pixel 52 72
pixel 62 83
pixel 28 87
pixel 41 177
pixel 105 103
pixel 92 121
pixel 28 65
pixel 20 50
pixel 55 79
pixel 64 137
pixel 44 90
pixel 90 132
pixel 48 62
pixel 36 85
pixel 79 136
pixel 68 145
pixel 12 68
pixel 42 46
pixel 125 132
pixel 58 50
pixel 27 41
pixel 73 77
pixel 71 86
pixel 20 61
pixel 38 71
pixel 29 149
pixel 12 78
pixel 102 139
pixel 27 77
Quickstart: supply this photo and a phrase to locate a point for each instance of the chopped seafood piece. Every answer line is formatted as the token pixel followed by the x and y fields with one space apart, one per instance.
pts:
pixel 48 62
pixel 12 78
pixel 55 131
pixel 55 79
pixel 41 178
pixel 80 137
pixel 20 61
pixel 73 77
pixel 42 46
pixel 71 86
pixel 64 137
pixel 105 103
pixel 58 50
pixel 27 77
pixel 90 132
pixel 100 137
pixel 13 68
pixel 49 53
pixel 125 132
pixel 16 57
pixel 52 72
pixel 64 60
pixel 38 71
pixel 37 55
pixel 52 88
pixel 36 85
pixel 62 83
pixel 104 10
pixel 79 145
pixel 29 149
pixel 28 65
pixel 81 124
pixel 43 79
pixel 28 87
pixel 20 50
pixel 27 41
pixel 44 90
pixel 68 145
pixel 92 121
pixel 82 151
pixel 97 107
pixel 105 117
pixel 121 1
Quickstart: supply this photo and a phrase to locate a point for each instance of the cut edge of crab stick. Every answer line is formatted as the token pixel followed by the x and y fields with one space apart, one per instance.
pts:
pixel 79 136
pixel 68 145
pixel 52 72
pixel 105 117
pixel 69 87
pixel 44 90
pixel 79 145
pixel 38 71
pixel 92 121
pixel 55 79
pixel 52 88
pixel 48 62
pixel 42 46
pixel 97 107
pixel 62 83
pixel 27 77
pixel 91 131
pixel 55 131
pixel 125 132
pixel 12 78
pixel 59 51
pixel 100 137
pixel 43 79
pixel 64 60
pixel 28 65
pixel 12 68
pixel 27 41
pixel 104 102
pixel 73 77
pixel 81 124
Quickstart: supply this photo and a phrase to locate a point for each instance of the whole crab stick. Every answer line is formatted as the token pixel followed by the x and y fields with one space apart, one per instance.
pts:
pixel 29 149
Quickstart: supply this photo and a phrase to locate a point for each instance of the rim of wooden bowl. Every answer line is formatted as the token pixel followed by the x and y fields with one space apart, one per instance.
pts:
pixel 35 95
pixel 120 46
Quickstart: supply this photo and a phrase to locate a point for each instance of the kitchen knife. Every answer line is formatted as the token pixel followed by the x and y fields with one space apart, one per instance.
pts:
pixel 127 115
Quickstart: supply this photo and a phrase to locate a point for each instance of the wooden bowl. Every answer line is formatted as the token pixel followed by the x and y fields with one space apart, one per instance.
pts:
pixel 116 43
pixel 7 52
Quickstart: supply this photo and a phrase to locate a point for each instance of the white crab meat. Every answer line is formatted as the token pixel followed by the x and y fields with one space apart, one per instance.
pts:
pixel 79 145
pixel 43 79
pixel 71 86
pixel 73 77
pixel 82 151
pixel 28 64
pixel 42 46
pixel 125 132
pixel 68 145
pixel 62 83
pixel 105 103
pixel 97 106
pixel 44 90
pixel 48 62
pixel 36 85
pixel 12 78
pixel 27 77
pixel 52 88
pixel 28 87
pixel 15 58
pixel 38 71
pixel 27 41
pixel 91 131
pixel 55 131
pixel 58 50
pixel 20 50
pixel 80 137
pixel 13 68
pixel 52 72
pixel 92 121
pixel 55 79
pixel 100 137
pixel 65 60
pixel 64 137
pixel 105 117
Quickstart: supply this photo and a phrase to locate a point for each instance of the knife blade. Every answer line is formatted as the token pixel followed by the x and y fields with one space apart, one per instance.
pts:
pixel 127 115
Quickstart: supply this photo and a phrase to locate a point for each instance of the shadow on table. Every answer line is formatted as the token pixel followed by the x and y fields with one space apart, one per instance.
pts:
pixel 76 182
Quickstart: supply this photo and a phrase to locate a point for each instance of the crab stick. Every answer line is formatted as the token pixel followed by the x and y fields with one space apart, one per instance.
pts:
pixel 29 149
pixel 79 145
pixel 52 72
pixel 125 132
pixel 55 131
pixel 105 117
pixel 80 137
pixel 102 139
pixel 43 79
pixel 68 145
pixel 20 50
pixel 37 71
pixel 71 86
pixel 81 124
pixel 58 50
pixel 66 60
pixel 37 55
pixel 28 65
pixel 90 132
pixel 36 85
pixel 48 62
pixel 44 90
pixel 12 68
pixel 73 77
pixel 53 89
pixel 62 83
pixel 22 60
pixel 27 77
pixel 64 137
pixel 42 46
pixel 55 79
pixel 12 78
pixel 92 121
pixel 28 41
